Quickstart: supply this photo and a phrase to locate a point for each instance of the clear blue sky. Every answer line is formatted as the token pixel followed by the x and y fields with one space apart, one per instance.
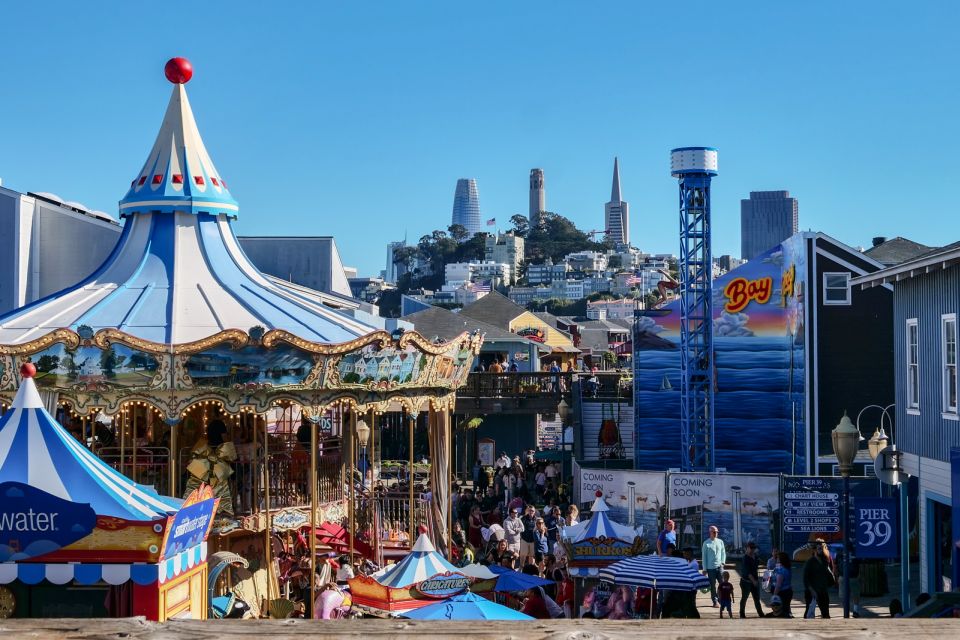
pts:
pixel 356 119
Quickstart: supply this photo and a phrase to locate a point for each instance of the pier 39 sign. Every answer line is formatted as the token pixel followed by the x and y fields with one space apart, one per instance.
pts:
pixel 34 523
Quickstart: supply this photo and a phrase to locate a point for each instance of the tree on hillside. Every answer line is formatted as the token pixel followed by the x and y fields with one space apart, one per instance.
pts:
pixel 521 225
pixel 458 232
pixel 556 237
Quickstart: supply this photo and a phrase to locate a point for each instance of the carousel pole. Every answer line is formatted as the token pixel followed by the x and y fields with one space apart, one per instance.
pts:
pixel 313 515
pixel 123 438
pixel 352 421
pixel 133 443
pixel 450 460
pixel 254 476
pixel 173 456
pixel 411 514
pixel 372 465
pixel 268 548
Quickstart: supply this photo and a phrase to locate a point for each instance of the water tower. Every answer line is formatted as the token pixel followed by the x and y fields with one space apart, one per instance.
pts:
pixel 694 167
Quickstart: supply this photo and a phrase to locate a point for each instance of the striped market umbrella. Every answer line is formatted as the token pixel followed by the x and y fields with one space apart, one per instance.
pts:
pixel 655 572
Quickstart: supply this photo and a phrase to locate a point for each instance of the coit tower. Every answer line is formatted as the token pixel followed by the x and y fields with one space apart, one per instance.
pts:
pixel 538 196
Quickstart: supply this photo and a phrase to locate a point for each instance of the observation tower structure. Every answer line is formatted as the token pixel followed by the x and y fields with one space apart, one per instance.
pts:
pixel 694 167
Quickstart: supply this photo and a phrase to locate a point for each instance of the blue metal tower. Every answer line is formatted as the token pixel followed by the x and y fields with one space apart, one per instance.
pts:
pixel 694 167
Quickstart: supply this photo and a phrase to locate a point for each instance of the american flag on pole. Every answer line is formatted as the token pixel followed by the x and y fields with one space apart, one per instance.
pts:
pixel 480 287
pixel 491 222
pixel 634 280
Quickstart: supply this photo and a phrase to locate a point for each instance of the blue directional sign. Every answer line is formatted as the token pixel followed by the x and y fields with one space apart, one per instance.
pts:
pixel 812 508
pixel 876 520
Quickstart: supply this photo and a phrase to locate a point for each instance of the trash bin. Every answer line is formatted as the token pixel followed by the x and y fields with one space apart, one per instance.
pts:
pixel 873 579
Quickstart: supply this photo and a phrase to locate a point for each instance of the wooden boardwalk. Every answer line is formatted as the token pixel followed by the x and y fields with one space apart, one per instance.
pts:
pixel 712 629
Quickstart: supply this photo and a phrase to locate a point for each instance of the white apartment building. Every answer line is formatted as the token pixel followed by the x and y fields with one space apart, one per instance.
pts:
pixel 611 309
pixel 587 261
pixel 461 273
pixel 505 248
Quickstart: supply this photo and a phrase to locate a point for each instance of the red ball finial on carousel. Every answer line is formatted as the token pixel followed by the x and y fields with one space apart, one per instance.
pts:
pixel 598 493
pixel 28 370
pixel 422 529
pixel 178 70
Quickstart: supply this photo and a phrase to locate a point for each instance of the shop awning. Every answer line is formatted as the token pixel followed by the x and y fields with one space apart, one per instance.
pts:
pixel 88 574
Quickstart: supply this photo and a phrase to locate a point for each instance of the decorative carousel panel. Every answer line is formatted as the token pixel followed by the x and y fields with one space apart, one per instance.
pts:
pixel 398 366
pixel 91 368
pixel 224 367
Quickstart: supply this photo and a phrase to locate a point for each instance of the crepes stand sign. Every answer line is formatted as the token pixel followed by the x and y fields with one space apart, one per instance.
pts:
pixel 443 585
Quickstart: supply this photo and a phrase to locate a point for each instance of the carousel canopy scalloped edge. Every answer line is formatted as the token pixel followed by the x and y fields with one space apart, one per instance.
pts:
pixel 244 371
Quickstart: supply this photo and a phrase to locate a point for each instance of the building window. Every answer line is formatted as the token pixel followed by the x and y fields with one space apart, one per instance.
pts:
pixel 948 350
pixel 913 365
pixel 836 288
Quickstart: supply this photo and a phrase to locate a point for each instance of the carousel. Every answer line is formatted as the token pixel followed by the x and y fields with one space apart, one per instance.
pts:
pixel 169 359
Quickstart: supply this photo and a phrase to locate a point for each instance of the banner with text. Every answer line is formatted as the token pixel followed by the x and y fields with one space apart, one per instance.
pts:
pixel 634 497
pixel 743 507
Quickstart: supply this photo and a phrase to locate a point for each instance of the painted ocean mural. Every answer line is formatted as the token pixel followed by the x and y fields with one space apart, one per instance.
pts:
pixel 759 355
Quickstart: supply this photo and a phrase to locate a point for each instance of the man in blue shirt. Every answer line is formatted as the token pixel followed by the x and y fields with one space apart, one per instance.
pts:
pixel 714 557
pixel 667 537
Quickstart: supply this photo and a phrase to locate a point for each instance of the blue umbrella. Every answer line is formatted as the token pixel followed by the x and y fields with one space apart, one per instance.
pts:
pixel 510 580
pixel 655 572
pixel 466 606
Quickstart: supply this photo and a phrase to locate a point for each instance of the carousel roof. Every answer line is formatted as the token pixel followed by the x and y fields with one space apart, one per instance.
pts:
pixel 178 273
pixel 599 526
pixel 35 450
pixel 422 563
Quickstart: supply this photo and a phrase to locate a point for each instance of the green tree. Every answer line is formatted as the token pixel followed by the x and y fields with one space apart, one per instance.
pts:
pixel 609 359
pixel 47 363
pixel 556 237
pixel 458 232
pixel 521 225
pixel 108 362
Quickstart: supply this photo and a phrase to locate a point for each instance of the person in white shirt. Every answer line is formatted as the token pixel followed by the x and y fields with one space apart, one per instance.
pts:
pixel 503 462
pixel 551 471
pixel 513 529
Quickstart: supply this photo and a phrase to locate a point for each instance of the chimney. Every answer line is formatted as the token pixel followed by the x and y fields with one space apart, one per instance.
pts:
pixel 878 240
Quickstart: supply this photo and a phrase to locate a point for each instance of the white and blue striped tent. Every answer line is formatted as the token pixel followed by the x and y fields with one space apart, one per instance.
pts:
pixel 422 563
pixel 599 526
pixel 35 450
pixel 655 572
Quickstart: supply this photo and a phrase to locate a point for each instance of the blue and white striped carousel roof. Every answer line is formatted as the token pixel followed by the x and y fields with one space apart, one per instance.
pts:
pixel 599 526
pixel 178 273
pixel 422 563
pixel 37 451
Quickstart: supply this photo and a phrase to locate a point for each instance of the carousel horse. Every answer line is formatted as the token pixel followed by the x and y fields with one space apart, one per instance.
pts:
pixel 333 603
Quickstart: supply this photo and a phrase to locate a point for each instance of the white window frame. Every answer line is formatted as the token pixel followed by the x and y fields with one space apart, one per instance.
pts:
pixel 846 300
pixel 913 381
pixel 949 411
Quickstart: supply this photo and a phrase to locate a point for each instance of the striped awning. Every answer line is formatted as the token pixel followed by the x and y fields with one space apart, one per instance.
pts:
pixel 422 563
pixel 89 574
pixel 35 450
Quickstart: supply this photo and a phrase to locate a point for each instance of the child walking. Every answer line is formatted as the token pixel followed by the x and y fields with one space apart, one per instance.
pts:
pixel 725 594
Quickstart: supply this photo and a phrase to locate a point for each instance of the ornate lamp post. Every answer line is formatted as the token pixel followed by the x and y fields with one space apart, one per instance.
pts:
pixel 363 438
pixel 563 410
pixel 846 441
pixel 888 468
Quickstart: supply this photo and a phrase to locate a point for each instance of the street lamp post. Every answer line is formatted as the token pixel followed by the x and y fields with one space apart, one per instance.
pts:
pixel 888 468
pixel 563 410
pixel 846 441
